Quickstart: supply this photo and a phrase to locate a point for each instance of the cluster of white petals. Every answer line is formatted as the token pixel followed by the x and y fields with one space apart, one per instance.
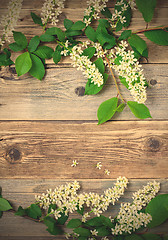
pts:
pixel 93 10
pixel 84 64
pixel 51 10
pixel 67 200
pixel 129 70
pixel 9 20
pixel 130 218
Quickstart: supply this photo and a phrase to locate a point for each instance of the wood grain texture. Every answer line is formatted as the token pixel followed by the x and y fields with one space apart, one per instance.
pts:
pixel 22 192
pixel 47 149
pixel 61 93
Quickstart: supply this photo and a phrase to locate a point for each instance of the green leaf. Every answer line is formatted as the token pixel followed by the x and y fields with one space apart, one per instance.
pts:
pixel 15 47
pixel 68 23
pixel 139 110
pixel 100 65
pixel 106 110
pixel 92 89
pixel 80 211
pixel 62 219
pixel 71 33
pixel 52 227
pixel 151 236
pixel 33 44
pixel 124 82
pixel 56 31
pixel 94 222
pixel 106 221
pixel 133 237
pixel 159 37
pixel 91 34
pixel 52 206
pixel 4 205
pixel 121 107
pixel 44 52
pixel 23 63
pixel 47 38
pixel 5 58
pixel 79 25
pixel 104 37
pixel 137 42
pixel 1 214
pixel 146 8
pixel 125 34
pixel 90 51
pixel 57 56
pixel 37 70
pixel 158 209
pixel 103 231
pixel 165 237
pixel 36 19
pixel 34 211
pixel 119 238
pixel 82 232
pixel 106 12
pixel 20 39
pixel 127 14
pixel 74 223
pixel 20 211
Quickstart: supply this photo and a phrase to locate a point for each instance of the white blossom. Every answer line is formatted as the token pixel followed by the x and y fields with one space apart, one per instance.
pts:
pixel 99 165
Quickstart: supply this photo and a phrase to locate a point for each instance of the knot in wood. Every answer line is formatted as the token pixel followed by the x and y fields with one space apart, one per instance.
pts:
pixel 13 155
pixel 153 144
pixel 153 82
pixel 80 91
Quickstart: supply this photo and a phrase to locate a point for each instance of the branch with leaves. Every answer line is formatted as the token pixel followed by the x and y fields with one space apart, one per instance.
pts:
pixel 116 50
pixel 53 208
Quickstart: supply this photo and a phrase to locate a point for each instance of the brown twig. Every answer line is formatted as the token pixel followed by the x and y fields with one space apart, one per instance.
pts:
pixel 151 29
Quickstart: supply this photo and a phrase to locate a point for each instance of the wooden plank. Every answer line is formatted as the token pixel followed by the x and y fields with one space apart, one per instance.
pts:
pixel 22 192
pixel 61 93
pixel 47 149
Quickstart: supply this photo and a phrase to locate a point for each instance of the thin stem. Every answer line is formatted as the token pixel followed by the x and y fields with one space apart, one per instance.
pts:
pixel 115 81
pixel 150 29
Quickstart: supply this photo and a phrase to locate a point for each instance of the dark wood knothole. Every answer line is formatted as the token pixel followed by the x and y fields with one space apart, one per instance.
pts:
pixel 153 144
pixel 13 155
pixel 80 91
pixel 12 70
pixel 153 82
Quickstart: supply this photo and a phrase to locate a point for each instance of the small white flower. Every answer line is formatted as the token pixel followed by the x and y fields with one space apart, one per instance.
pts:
pixel 74 164
pixel 94 232
pixel 99 165
pixel 106 171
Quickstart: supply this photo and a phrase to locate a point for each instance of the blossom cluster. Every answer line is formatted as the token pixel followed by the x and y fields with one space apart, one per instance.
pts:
pixel 93 10
pixel 51 10
pixel 129 70
pixel 130 216
pixel 67 200
pixel 9 20
pixel 84 64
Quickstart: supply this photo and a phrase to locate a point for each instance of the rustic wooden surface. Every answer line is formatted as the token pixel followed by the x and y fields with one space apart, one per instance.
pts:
pixel 47 124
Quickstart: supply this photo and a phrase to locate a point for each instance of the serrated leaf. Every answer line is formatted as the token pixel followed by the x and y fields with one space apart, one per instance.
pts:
pixel 37 70
pixel 139 110
pixel 15 47
pixel 146 8
pixel 79 25
pixel 20 211
pixel 104 37
pixel 34 211
pixel 4 205
pixel 138 43
pixel 90 51
pixel 158 209
pixel 151 236
pixel 36 19
pixel 159 37
pixel 106 12
pixel 91 88
pixel 124 82
pixel 82 232
pixel 44 52
pixel 56 31
pixel 47 38
pixel 107 109
pixel 33 44
pixel 94 222
pixel 100 65
pixel 106 221
pixel 68 23
pixel 133 237
pixel 57 56
pixel 74 223
pixel 20 39
pixel 71 33
pixel 23 63
pixel 91 34
pixel 121 107
pixel 125 34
